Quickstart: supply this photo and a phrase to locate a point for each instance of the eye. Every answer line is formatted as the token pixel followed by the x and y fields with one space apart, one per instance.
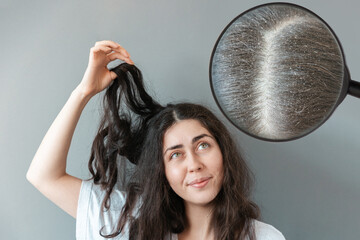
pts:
pixel 175 155
pixel 204 145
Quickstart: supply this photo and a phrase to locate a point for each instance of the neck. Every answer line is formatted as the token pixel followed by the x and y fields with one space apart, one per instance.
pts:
pixel 198 219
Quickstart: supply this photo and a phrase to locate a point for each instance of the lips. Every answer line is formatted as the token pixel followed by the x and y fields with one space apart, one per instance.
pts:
pixel 199 182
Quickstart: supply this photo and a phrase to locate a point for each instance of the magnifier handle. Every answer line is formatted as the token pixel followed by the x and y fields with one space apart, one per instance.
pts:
pixel 354 88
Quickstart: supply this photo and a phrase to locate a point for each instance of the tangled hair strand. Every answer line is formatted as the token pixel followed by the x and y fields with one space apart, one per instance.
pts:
pixel 133 127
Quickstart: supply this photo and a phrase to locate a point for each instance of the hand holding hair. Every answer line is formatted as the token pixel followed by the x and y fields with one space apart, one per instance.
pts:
pixel 97 76
pixel 47 171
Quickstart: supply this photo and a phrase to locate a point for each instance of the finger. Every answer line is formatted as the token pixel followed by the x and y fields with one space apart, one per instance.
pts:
pixel 115 46
pixel 127 60
pixel 99 48
pixel 117 55
pixel 107 43
pixel 112 75
pixel 122 50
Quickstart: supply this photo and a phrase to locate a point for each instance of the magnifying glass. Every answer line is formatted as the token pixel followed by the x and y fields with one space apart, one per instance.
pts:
pixel 278 72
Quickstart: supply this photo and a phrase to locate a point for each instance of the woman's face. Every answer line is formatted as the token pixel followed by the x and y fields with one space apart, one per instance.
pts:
pixel 193 162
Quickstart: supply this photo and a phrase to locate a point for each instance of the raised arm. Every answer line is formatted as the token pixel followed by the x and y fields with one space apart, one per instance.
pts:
pixel 47 171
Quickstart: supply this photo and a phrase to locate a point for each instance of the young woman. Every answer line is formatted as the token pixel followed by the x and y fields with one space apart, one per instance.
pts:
pixel 189 182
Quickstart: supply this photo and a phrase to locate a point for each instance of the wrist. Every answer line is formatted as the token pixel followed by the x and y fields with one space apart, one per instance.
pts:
pixel 83 95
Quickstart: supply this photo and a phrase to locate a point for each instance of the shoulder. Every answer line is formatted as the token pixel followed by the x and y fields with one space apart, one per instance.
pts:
pixel 264 231
pixel 95 194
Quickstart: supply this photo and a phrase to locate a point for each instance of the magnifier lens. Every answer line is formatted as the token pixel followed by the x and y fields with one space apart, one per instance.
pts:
pixel 277 71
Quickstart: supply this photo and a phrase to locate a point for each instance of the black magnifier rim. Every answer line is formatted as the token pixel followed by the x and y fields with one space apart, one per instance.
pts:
pixel 346 75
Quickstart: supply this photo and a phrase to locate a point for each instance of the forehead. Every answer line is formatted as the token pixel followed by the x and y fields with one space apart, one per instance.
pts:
pixel 184 131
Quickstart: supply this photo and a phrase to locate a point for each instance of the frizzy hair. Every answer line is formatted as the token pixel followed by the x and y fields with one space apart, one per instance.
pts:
pixel 133 127
pixel 277 71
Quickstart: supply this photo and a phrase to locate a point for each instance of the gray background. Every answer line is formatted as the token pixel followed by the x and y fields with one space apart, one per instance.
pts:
pixel 308 188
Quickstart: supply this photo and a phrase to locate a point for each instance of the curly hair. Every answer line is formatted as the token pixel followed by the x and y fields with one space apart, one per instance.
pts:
pixel 132 127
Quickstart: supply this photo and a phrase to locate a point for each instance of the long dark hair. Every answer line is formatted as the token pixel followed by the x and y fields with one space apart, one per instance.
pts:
pixel 132 127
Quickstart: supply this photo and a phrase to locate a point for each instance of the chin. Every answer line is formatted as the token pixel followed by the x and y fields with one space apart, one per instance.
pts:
pixel 201 199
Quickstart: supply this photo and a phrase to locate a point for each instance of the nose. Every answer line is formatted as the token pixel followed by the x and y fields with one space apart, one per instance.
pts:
pixel 194 163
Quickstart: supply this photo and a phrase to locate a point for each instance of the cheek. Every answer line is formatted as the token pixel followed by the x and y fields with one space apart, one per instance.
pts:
pixel 174 174
pixel 218 165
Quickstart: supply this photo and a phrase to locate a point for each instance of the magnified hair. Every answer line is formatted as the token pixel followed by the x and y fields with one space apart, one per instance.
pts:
pixel 277 71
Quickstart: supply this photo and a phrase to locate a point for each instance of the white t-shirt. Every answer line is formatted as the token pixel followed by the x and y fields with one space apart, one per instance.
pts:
pixel 90 219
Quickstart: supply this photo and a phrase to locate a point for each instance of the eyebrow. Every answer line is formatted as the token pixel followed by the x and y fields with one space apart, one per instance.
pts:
pixel 193 141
